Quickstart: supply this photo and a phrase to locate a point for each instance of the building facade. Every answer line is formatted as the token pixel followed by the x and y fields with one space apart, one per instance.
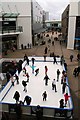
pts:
pixel 19 22
pixel 71 25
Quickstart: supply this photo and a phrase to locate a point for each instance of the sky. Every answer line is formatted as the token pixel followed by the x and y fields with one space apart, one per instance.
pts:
pixel 54 7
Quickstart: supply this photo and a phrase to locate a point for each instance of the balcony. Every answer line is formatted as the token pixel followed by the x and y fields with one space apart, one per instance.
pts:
pixel 11 30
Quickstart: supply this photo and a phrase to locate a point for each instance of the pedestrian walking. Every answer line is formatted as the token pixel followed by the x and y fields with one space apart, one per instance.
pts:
pixel 44 58
pixel 71 57
pixel 45 51
pixel 46 78
pixel 62 60
pixel 24 85
pixel 58 73
pixel 39 113
pixel 66 97
pixel 54 85
pixel 44 95
pixel 16 96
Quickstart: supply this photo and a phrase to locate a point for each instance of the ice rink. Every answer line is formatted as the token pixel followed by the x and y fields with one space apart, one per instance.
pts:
pixel 36 85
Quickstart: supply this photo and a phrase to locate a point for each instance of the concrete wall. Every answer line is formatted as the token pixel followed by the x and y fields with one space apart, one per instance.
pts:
pixel 26 36
pixel 71 32
pixel 73 12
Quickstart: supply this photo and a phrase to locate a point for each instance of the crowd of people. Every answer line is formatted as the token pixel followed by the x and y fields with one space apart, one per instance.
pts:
pixel 27 98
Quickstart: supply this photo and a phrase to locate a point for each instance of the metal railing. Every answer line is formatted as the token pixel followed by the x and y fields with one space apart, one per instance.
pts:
pixel 11 29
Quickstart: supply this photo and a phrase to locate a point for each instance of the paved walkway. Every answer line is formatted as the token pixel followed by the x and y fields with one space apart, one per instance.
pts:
pixel 58 50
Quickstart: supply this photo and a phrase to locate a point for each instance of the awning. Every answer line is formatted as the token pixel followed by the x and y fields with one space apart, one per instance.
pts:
pixel 39 30
pixel 10 15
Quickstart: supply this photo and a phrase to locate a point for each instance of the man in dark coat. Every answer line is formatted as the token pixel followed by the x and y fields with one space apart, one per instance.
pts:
pixel 46 79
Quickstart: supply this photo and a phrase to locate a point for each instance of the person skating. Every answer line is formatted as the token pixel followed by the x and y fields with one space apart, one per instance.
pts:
pixel 54 85
pixel 27 99
pixel 58 73
pixel 61 103
pixel 64 86
pixel 66 97
pixel 36 71
pixel 17 78
pixel 16 96
pixel 33 61
pixel 46 78
pixel 27 75
pixel 46 70
pixel 25 57
pixel 44 95
pixel 24 84
pixel 54 59
pixel 12 80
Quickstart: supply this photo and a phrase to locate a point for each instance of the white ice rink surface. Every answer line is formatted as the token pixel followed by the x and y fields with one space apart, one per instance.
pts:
pixel 36 85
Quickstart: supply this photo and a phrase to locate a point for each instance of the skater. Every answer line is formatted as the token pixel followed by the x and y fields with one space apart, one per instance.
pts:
pixel 62 103
pixel 54 59
pixel 58 73
pixel 27 99
pixel 33 68
pixel 24 70
pixel 16 96
pixel 66 97
pixel 44 95
pixel 25 57
pixel 46 79
pixel 71 57
pixel 27 75
pixel 65 65
pixel 27 61
pixel 45 51
pixel 8 75
pixel 17 78
pixel 37 71
pixel 46 69
pixel 24 84
pixel 54 85
pixel 12 80
pixel 62 60
pixel 64 86
pixel 33 61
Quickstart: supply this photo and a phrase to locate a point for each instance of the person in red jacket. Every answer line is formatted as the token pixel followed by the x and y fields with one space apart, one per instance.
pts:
pixel 46 69
pixel 66 97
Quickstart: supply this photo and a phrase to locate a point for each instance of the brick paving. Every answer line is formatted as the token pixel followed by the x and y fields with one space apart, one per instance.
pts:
pixel 58 50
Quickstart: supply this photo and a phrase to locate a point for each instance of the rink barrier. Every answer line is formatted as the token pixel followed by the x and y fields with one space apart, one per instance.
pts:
pixel 47 111
pixel 69 93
